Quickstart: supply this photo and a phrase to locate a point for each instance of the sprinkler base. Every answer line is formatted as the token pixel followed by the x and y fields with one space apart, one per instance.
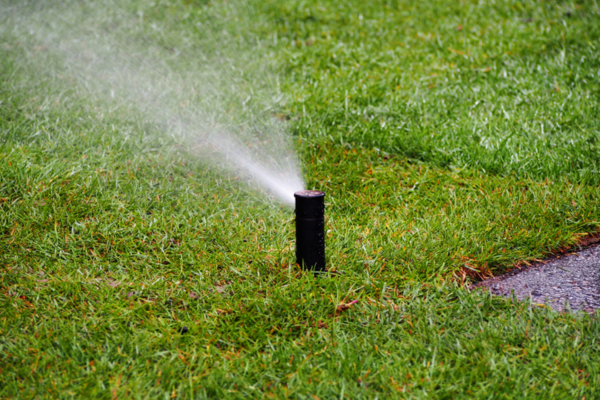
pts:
pixel 310 230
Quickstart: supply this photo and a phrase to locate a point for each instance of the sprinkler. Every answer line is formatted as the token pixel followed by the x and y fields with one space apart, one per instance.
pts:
pixel 310 230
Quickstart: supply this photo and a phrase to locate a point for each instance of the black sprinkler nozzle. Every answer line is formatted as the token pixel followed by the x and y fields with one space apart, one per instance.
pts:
pixel 310 229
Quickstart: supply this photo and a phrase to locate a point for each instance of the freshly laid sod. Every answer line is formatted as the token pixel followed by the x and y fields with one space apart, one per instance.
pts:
pixel 454 142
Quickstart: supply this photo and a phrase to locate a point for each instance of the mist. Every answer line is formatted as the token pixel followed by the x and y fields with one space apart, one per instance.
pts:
pixel 200 80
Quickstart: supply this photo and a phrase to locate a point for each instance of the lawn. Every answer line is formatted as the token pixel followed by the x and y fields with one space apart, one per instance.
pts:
pixel 454 140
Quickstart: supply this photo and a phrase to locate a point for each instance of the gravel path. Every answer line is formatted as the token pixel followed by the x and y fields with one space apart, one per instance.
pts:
pixel 570 282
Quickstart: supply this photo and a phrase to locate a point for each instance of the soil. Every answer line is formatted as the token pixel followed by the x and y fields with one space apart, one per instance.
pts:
pixel 567 282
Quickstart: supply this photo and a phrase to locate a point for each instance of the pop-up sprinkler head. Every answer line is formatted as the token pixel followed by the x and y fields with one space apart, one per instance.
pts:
pixel 310 229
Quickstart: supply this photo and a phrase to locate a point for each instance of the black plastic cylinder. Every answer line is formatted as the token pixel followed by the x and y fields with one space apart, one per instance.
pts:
pixel 310 229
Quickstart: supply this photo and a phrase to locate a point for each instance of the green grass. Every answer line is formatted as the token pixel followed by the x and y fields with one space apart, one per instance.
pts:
pixel 453 141
pixel 503 88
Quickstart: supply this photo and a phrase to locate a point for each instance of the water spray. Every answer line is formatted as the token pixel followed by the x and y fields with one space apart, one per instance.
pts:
pixel 310 230
pixel 210 98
